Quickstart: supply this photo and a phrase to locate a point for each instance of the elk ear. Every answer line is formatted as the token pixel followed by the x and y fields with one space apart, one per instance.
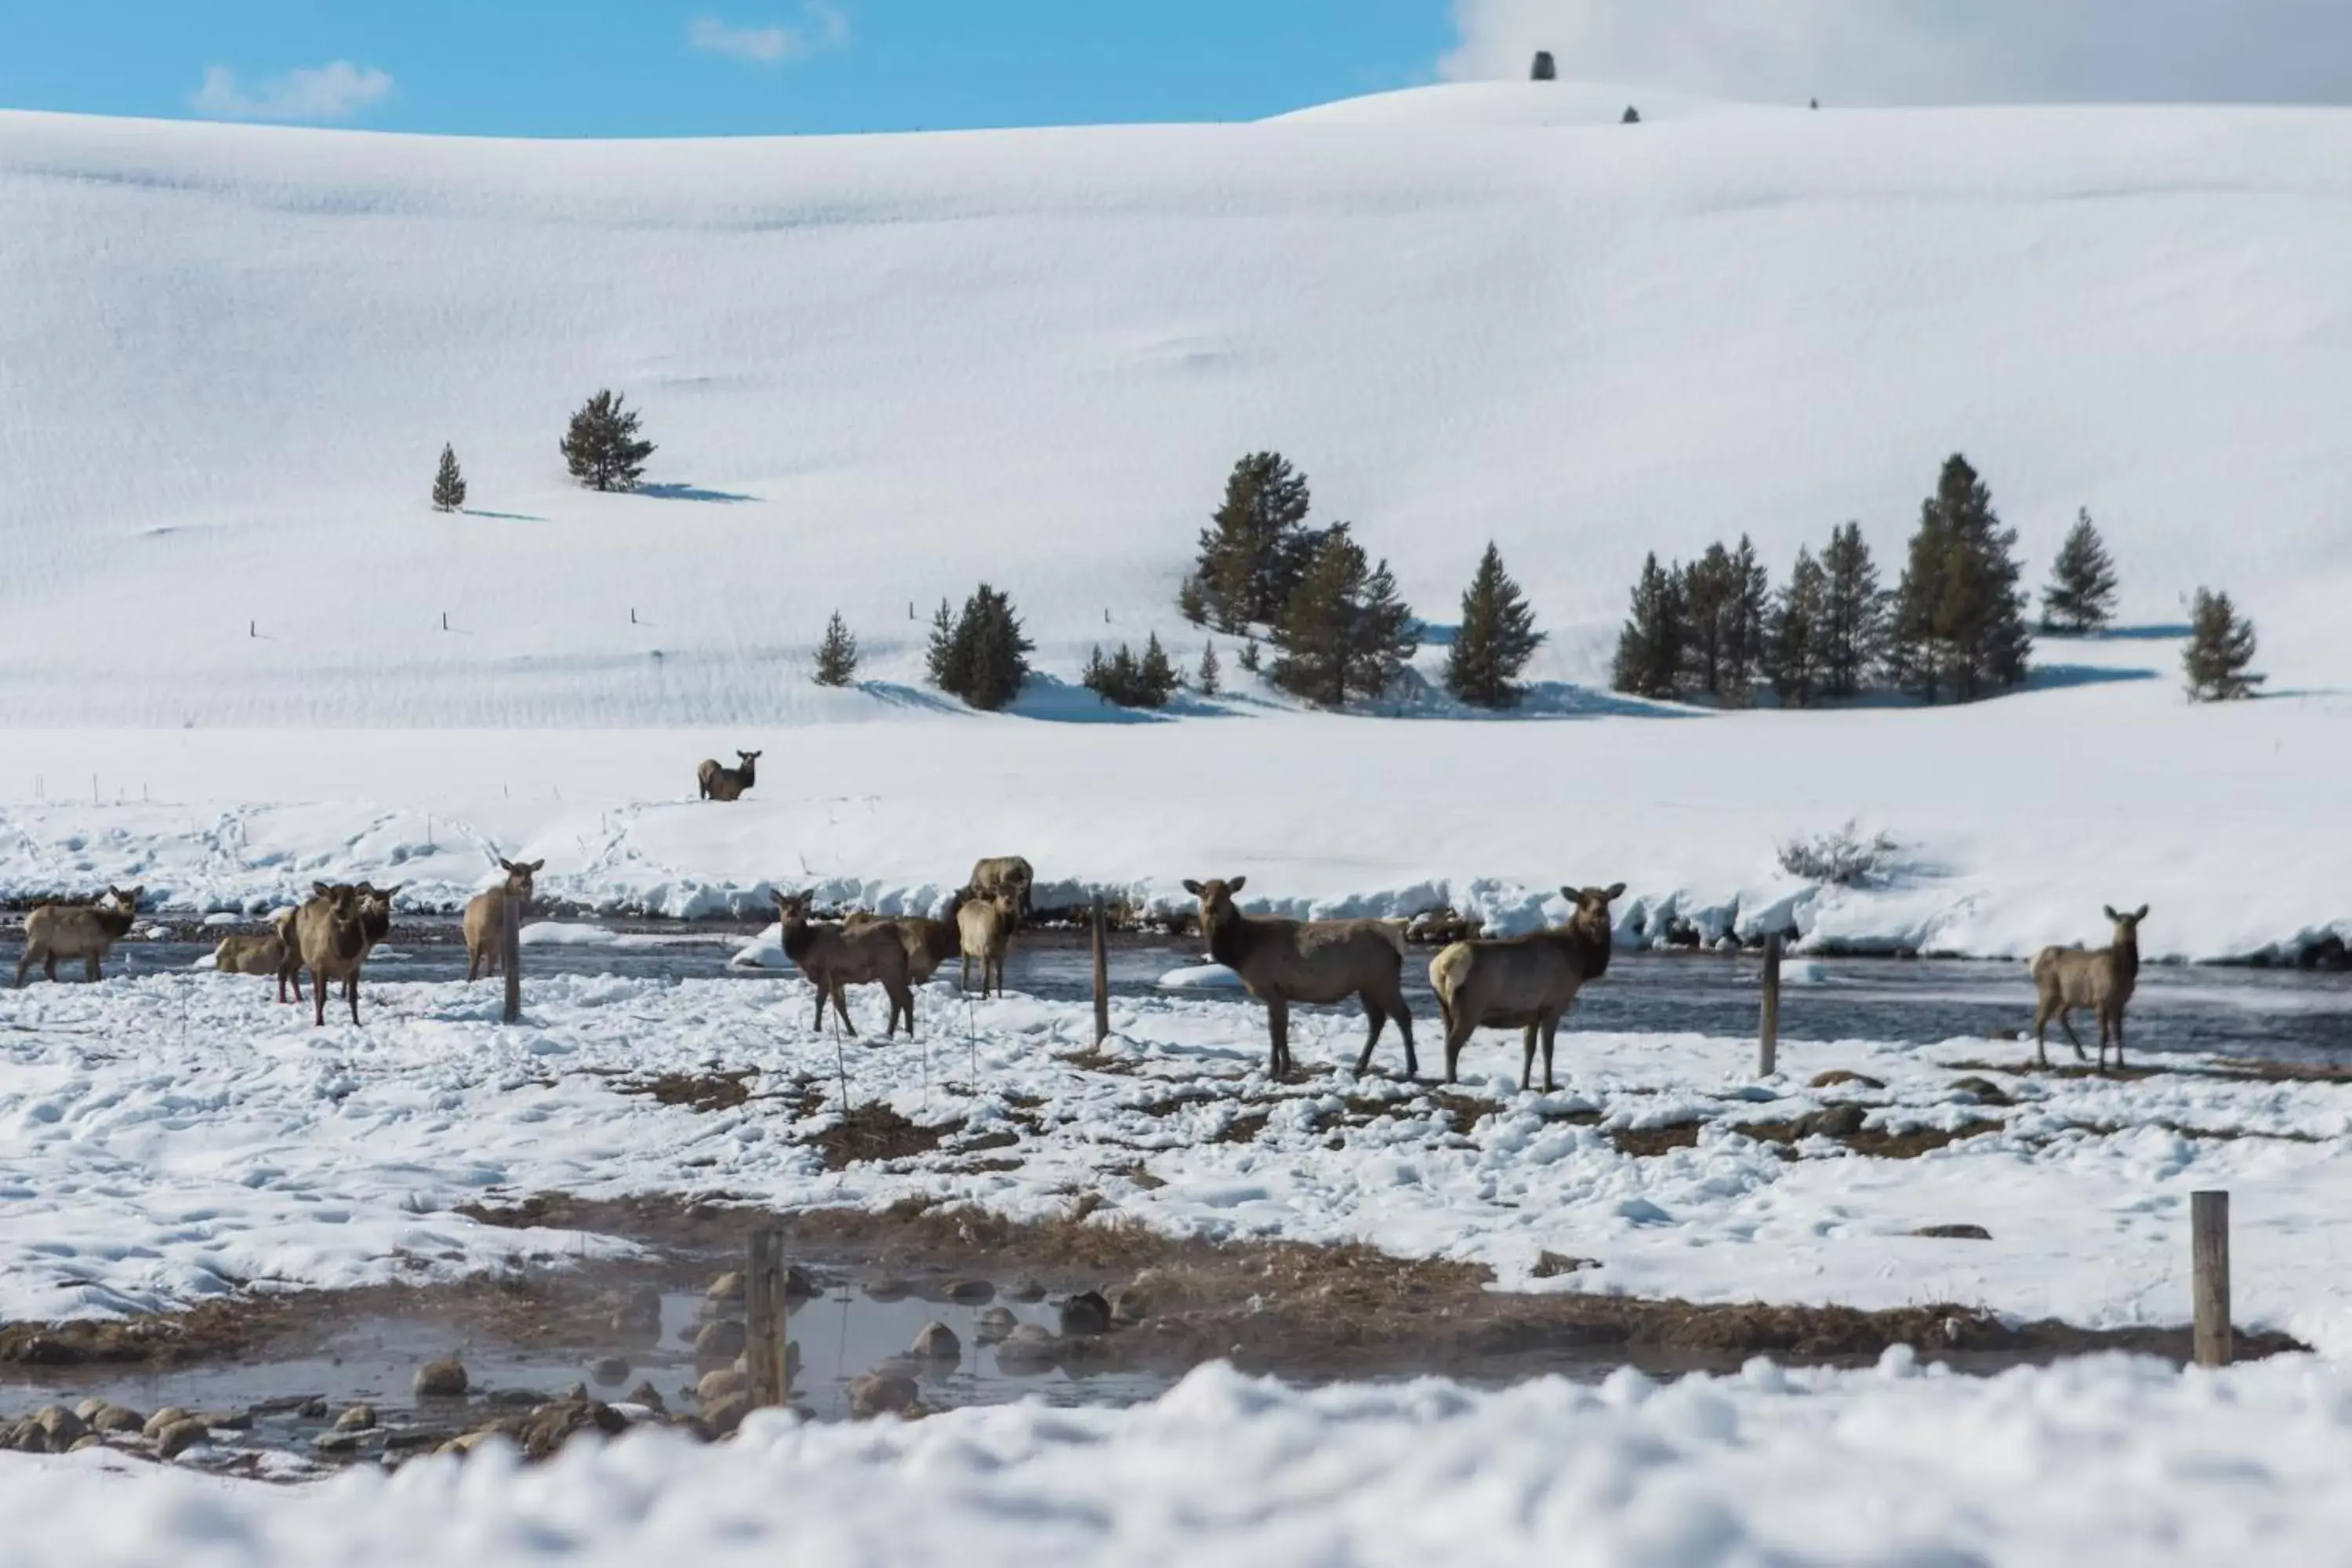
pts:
pixel 321 889
pixel 534 865
pixel 1573 896
pixel 1614 891
pixel 2110 910
pixel 2141 916
pixel 1236 884
pixel 1193 888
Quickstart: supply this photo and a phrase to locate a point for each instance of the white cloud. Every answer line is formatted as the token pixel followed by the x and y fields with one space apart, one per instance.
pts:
pixel 336 91
pixel 1925 51
pixel 822 27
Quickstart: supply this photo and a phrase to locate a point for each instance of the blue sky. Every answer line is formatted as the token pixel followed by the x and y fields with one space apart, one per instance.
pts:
pixel 619 67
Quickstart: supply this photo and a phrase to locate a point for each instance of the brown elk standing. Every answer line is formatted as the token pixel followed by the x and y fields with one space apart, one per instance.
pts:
pixel 835 957
pixel 331 934
pixel 727 783
pixel 486 917
pixel 984 930
pixel 1285 960
pixel 78 931
pixel 2101 980
pixel 1524 982
pixel 929 944
pixel 1003 874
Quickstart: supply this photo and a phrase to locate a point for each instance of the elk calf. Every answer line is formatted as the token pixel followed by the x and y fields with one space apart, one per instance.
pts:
pixel 330 938
pixel 2101 980
pixel 1524 982
pixel 835 957
pixel 486 917
pixel 77 931
pixel 727 783
pixel 984 931
pixel 1284 961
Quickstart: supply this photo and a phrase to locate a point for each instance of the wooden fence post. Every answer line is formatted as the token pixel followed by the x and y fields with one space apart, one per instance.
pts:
pixel 1768 1051
pixel 763 1314
pixel 510 958
pixel 2208 1228
pixel 1102 976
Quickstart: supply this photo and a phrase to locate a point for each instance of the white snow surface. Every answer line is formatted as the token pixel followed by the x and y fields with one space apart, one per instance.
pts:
pixel 2110 1461
pixel 181 1135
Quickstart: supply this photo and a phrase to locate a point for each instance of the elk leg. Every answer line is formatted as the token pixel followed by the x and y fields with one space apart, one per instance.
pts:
pixel 841 1008
pixel 90 968
pixel 352 990
pixel 1278 1023
pixel 1379 1018
pixel 1458 1026
pixel 965 983
pixel 2066 1022
pixel 2119 1042
pixel 1527 1063
pixel 1550 1033
pixel 24 963
pixel 819 1025
pixel 318 997
pixel 902 1001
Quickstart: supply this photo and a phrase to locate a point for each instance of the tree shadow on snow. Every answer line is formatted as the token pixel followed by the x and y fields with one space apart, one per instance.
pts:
pixel 893 695
pixel 2165 632
pixel 2058 676
pixel 499 516
pixel 693 492
pixel 1057 702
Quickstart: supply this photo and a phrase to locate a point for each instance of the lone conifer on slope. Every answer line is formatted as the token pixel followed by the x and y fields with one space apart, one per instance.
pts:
pixel 2081 596
pixel 1497 638
pixel 836 656
pixel 601 447
pixel 1211 677
pixel 1960 616
pixel 979 655
pixel 448 484
pixel 2220 647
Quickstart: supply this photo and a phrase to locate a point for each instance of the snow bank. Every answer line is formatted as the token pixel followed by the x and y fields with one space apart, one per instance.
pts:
pixel 164 1137
pixel 1200 977
pixel 2107 1460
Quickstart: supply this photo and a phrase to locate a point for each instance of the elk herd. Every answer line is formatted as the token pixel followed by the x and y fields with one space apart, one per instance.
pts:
pixel 1526 982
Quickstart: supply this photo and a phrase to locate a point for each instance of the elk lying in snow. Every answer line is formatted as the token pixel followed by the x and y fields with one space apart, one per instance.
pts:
pixel 1524 982
pixel 267 952
pixel 77 931
pixel 727 783
pixel 837 956
pixel 2101 980
pixel 1284 961
pixel 984 931
pixel 330 941
pixel 486 916
pixel 1008 874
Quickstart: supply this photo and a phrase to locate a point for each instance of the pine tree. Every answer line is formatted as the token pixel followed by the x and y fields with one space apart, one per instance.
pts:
pixel 1344 632
pixel 1707 589
pixel 947 660
pixel 1747 617
pixel 1210 675
pixel 836 656
pixel 1960 616
pixel 1256 546
pixel 1156 680
pixel 1543 69
pixel 448 484
pixel 1191 603
pixel 1649 650
pixel 1248 658
pixel 602 449
pixel 1632 116
pixel 1497 638
pixel 1853 615
pixel 2081 596
pixel 1796 654
pixel 2220 647
pixel 995 661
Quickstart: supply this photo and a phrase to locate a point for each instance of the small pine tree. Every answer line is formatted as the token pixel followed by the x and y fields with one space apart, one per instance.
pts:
pixel 2220 647
pixel 1796 653
pixel 947 661
pixel 836 656
pixel 1708 585
pixel 1249 658
pixel 1960 616
pixel 1746 623
pixel 448 484
pixel 1256 546
pixel 994 652
pixel 1156 680
pixel 1649 650
pixel 2081 596
pixel 1853 615
pixel 1543 69
pixel 1211 675
pixel 1632 116
pixel 1191 603
pixel 1345 631
pixel 1497 638
pixel 601 448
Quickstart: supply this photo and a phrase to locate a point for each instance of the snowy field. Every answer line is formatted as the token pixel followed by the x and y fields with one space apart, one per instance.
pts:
pixel 177 1136
pixel 2103 1461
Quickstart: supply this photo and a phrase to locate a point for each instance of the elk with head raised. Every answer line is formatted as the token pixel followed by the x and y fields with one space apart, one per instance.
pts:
pixel 2101 980
pixel 984 930
pixel 78 931
pixel 332 941
pixel 835 957
pixel 486 916
pixel 1284 961
pixel 720 782
pixel 1524 982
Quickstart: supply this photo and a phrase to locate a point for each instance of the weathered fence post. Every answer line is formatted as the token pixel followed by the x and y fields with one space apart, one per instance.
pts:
pixel 2208 1228
pixel 1767 1050
pixel 764 1315
pixel 510 957
pixel 1102 976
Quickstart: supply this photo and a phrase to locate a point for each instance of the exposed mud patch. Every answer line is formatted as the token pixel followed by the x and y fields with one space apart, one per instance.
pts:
pixel 875 1132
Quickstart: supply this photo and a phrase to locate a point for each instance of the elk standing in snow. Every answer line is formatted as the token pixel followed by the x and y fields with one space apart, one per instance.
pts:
pixel 835 957
pixel 727 783
pixel 2101 980
pixel 77 931
pixel 330 937
pixel 1285 960
pixel 1008 874
pixel 984 931
pixel 1524 982
pixel 486 916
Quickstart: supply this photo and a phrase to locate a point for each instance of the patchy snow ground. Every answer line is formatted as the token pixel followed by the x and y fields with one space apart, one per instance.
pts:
pixel 173 1136
pixel 2108 1460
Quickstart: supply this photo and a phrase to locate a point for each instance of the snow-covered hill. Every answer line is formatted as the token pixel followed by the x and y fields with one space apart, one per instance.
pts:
pixel 883 368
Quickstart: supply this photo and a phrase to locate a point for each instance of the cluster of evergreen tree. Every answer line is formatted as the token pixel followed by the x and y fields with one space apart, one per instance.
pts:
pixel 1953 626
pixel 1133 682
pixel 979 655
